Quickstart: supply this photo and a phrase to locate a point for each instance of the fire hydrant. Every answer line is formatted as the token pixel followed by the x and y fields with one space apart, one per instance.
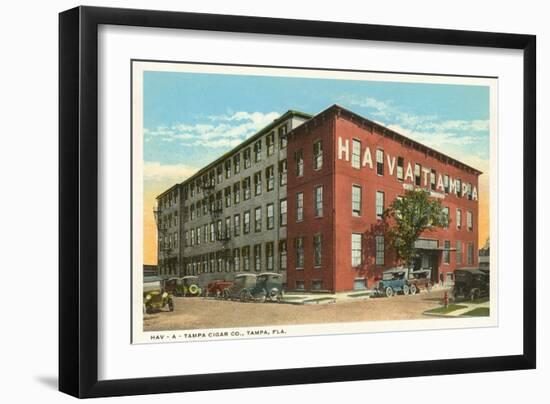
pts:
pixel 446 299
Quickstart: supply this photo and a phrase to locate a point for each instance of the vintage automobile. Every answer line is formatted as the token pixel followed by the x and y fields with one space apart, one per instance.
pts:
pixel 393 281
pixel 471 283
pixel 217 288
pixel 269 286
pixel 155 298
pixel 189 286
pixel 241 289
pixel 421 279
pixel 170 285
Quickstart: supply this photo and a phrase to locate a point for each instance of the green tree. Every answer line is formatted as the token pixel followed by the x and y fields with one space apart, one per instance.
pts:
pixel 408 217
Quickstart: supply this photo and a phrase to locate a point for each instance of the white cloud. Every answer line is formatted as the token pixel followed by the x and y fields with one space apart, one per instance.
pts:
pixel 155 171
pixel 223 131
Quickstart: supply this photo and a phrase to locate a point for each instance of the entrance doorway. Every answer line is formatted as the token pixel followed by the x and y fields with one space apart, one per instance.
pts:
pixel 428 259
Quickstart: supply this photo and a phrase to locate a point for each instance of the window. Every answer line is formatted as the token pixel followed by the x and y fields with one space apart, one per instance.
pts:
pixel 282 255
pixel 300 285
pixel 379 250
pixel 192 186
pixel 258 183
pixel 356 154
pixel 400 163
pixel 470 252
pixel 212 262
pixel 220 262
pixel 458 219
pixel 219 230
pixel 237 225
pixel 317 250
pixel 227 165
pixel 299 252
pixel 270 178
pixel 459 187
pixel 459 252
pixel 228 227
pixel 446 217
pixel 192 237
pixel 258 257
pixel 236 193
pixel 245 254
pixel 282 212
pixel 205 233
pixel 212 232
pixel 270 142
pixel 270 216
pixel 283 141
pixel 317 155
pixel 246 188
pixel 258 151
pixel 237 163
pixel 246 156
pixel 192 209
pixel 447 252
pixel 469 224
pixel 219 173
pixel 316 285
pixel 469 191
pixel 432 179
pixel 198 210
pixel 356 200
pixel 282 172
pixel 205 206
pixel 269 256
pixel 246 222
pixel 258 219
pixel 199 235
pixel 227 192
pixel 318 201
pixel 379 204
pixel 356 248
pixel 446 183
pixel 359 284
pixel 299 157
pixel 236 260
pixel 185 236
pixel 299 206
pixel 379 161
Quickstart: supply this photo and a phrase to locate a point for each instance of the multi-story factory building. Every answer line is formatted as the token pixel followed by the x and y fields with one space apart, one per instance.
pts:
pixel 305 196
pixel 230 216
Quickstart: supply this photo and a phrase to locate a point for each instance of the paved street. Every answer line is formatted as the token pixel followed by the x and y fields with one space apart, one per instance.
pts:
pixel 199 313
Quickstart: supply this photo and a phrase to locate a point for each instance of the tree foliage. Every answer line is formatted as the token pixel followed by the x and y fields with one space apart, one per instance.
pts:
pixel 410 216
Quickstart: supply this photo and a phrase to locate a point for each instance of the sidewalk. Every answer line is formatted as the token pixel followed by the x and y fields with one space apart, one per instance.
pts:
pixel 325 298
pixel 460 309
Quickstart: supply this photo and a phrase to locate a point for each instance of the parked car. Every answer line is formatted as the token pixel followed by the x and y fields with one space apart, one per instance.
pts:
pixel 217 288
pixel 471 283
pixel 269 286
pixel 170 285
pixel 189 286
pixel 155 297
pixel 242 287
pixel 393 281
pixel 421 279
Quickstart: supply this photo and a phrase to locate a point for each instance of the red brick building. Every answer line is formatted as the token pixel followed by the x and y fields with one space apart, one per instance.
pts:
pixel 343 171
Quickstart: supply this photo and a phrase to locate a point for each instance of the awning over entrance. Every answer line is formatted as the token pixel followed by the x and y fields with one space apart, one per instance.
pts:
pixel 430 244
pixel 426 244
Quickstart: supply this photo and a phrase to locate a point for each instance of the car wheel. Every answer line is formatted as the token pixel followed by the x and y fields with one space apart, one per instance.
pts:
pixel 225 294
pixel 243 296
pixel 406 290
pixel 148 309
pixel 413 289
pixel 389 292
pixel 279 297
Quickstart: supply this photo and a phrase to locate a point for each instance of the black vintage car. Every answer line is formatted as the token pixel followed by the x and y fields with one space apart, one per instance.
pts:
pixel 267 286
pixel 471 283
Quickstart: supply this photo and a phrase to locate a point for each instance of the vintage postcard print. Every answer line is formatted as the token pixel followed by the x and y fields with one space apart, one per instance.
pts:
pixel 280 202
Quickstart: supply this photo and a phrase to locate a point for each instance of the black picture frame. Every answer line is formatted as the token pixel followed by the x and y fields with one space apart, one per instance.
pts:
pixel 78 200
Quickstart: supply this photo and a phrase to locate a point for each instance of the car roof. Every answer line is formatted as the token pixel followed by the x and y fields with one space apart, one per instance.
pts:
pixel 236 276
pixel 269 274
pixel 473 270
pixel 396 270
pixel 189 276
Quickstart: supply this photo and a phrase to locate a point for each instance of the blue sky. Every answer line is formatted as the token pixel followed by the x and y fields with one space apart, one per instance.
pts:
pixel 190 119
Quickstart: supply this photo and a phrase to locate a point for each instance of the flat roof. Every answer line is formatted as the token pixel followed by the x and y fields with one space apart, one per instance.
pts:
pixel 335 108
